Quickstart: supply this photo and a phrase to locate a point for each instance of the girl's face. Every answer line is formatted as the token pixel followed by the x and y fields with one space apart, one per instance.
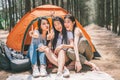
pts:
pixel 58 26
pixel 68 24
pixel 44 25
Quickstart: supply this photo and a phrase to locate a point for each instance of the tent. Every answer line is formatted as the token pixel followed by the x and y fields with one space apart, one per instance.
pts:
pixel 18 38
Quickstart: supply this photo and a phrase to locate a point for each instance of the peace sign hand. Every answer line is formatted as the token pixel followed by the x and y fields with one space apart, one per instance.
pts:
pixel 31 32
pixel 50 35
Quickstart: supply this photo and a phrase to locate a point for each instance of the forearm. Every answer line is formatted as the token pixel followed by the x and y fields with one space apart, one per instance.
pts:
pixel 68 46
pixel 76 53
pixel 76 40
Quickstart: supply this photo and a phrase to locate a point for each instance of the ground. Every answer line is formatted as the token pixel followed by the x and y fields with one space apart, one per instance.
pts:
pixel 106 43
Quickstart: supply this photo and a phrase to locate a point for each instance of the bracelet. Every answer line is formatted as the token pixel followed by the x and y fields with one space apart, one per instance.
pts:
pixel 77 61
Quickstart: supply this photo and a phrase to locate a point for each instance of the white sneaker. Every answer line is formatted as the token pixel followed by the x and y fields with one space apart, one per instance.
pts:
pixel 66 73
pixel 43 72
pixel 59 76
pixel 35 72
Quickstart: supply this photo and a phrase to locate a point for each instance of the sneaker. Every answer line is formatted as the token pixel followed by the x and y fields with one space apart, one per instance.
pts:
pixel 43 72
pixel 59 76
pixel 36 72
pixel 66 73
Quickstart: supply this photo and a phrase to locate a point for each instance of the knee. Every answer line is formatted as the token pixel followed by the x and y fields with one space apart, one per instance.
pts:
pixel 83 41
pixel 61 52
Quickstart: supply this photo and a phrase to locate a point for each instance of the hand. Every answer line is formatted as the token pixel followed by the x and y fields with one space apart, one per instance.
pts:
pixel 31 32
pixel 57 49
pixel 42 48
pixel 50 35
pixel 78 66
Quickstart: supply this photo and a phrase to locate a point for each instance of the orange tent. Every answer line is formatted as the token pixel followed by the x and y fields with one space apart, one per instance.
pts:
pixel 18 37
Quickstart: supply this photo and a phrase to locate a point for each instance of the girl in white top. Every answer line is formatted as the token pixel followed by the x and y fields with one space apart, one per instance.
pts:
pixel 81 46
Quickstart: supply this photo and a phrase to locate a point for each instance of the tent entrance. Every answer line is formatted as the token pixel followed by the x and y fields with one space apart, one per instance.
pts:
pixel 25 47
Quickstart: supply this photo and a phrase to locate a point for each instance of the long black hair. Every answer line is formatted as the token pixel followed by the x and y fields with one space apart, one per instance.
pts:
pixel 72 18
pixel 64 32
pixel 40 29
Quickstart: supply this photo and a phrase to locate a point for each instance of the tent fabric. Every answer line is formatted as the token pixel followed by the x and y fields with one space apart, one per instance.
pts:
pixel 15 37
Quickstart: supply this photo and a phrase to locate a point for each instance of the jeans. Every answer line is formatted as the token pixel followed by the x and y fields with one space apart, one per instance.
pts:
pixel 32 54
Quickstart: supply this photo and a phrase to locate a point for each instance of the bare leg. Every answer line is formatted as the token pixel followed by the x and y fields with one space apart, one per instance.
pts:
pixel 92 65
pixel 61 60
pixel 66 58
pixel 71 66
pixel 51 56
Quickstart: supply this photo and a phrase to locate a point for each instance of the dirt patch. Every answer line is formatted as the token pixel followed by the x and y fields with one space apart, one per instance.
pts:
pixel 108 45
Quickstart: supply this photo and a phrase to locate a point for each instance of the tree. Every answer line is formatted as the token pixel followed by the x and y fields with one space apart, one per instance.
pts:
pixel 43 2
pixel 119 16
pixel 33 3
pixel 107 14
pixel 62 4
pixel 116 16
pixel 113 23
pixel 53 2
pixel 16 12
pixel 10 14
pixel 100 13
pixel 68 5
pixel 27 5
pixel 6 14
pixel 57 2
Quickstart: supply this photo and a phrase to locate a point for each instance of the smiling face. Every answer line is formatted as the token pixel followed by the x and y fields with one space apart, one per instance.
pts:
pixel 44 25
pixel 58 26
pixel 68 24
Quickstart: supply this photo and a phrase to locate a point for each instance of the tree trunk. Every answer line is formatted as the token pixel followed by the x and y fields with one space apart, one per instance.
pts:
pixel 16 12
pixel 57 2
pixel 43 2
pixel 10 14
pixel 108 14
pixel 5 11
pixel 62 4
pixel 116 16
pixel 33 3
pixel 78 8
pixel 27 6
pixel 100 13
pixel 48 1
pixel 113 23
pixel 13 14
pixel 72 8
pixel 53 2
pixel 68 5
pixel 21 14
pixel 119 16
pixel 102 16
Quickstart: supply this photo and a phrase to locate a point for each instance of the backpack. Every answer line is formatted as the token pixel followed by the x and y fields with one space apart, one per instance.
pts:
pixel 13 60
pixel 18 62
pixel 4 61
